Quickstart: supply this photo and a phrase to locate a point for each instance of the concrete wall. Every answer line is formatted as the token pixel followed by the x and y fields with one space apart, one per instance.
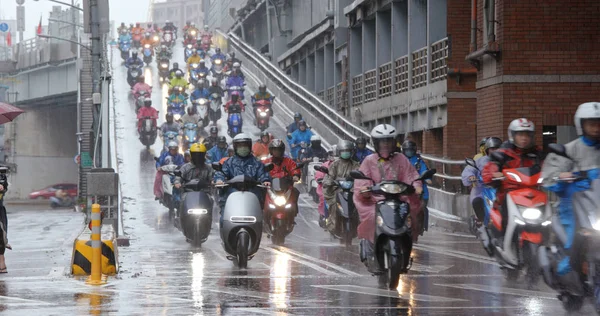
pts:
pixel 218 13
pixel 45 147
pixel 44 81
pixel 306 14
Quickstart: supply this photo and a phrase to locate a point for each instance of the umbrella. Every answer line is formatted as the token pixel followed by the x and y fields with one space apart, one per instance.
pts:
pixel 8 112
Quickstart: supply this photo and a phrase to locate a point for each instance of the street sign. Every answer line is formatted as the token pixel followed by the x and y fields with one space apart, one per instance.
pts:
pixel 3 27
pixel 20 19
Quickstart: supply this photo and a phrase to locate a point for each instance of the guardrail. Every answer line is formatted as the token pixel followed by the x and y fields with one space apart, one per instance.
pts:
pixel 448 171
pixel 329 116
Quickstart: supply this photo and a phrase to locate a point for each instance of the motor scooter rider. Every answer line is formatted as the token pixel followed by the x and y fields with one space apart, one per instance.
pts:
pixel 147 40
pixel 169 125
pixel 233 59
pixel 178 81
pixel 196 169
pixel 134 60
pixel 215 87
pixel 585 156
pixel 301 135
pixel 242 163
pixel 236 71
pixel 294 126
pixel 217 152
pixel 470 178
pixel 190 116
pixel 339 169
pixel 140 86
pixel 193 59
pixel 261 147
pixel 262 94
pixel 124 37
pixel 187 157
pixel 200 92
pixel 213 137
pixel 217 55
pixel 137 29
pixel 235 100
pixel 203 69
pixel 385 164
pixel 146 111
pixel 409 149
pixel 173 70
pixel 149 28
pixel 283 166
pixel 315 149
pixel 230 153
pixel 481 152
pixel 187 25
pixel 173 152
pixel 169 27
pixel 522 153
pixel 122 28
pixel 319 176
pixel 164 52
pixel 361 151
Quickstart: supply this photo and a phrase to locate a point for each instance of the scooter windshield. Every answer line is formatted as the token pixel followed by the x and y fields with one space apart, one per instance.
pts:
pixel 281 185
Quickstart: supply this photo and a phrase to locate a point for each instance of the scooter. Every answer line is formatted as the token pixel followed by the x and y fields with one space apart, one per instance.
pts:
pixel 263 114
pixel 241 227
pixel 202 110
pixel 168 137
pixel 310 181
pixel 190 132
pixel 124 47
pixel 214 111
pixel 393 240
pixel 240 89
pixel 140 98
pixel 147 52
pixel 137 40
pixel 167 38
pixel 194 73
pixel 188 51
pixel 528 217
pixel 133 73
pixel 217 69
pixel 489 196
pixel 281 206
pixel 149 132
pixel 163 69
pixel 167 188
pixel 195 212
pixel 581 281
pixel 347 217
pixel 234 120
pixel 177 108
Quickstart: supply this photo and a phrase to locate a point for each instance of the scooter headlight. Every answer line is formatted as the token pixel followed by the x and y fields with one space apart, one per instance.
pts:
pixel 531 213
pixel 393 188
pixel 280 200
pixel 263 114
pixel 194 65
pixel 596 225
pixel 346 185
pixel 147 45
pixel 217 62
pixel 156 38
pixel 197 211
pixel 189 46
pixel 164 65
pixel 177 117
pixel 379 221
pixel 202 101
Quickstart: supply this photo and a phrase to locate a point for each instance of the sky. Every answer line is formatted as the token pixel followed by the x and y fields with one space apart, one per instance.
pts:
pixel 129 11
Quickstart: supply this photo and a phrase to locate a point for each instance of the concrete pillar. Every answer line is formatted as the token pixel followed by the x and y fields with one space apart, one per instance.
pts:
pixel 383 37
pixel 302 72
pixel 310 72
pixel 356 49
pixel 330 67
pixel 320 70
pixel 295 73
pixel 369 42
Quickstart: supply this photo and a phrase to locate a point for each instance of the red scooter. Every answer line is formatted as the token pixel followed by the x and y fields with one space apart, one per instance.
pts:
pixel 281 207
pixel 262 113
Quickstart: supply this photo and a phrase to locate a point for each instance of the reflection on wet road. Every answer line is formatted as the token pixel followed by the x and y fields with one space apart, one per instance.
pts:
pixel 161 274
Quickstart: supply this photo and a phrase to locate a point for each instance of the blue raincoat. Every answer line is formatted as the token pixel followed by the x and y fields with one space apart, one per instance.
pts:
pixel 215 154
pixel 298 137
pixel 178 159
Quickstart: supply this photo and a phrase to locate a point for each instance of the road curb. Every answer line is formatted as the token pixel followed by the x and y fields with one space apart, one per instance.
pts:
pixel 450 222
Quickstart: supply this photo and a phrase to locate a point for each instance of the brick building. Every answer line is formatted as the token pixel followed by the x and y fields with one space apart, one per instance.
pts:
pixel 546 64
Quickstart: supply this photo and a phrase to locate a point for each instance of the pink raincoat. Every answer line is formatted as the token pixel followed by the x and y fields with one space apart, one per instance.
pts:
pixel 396 168
pixel 321 175
pixel 138 87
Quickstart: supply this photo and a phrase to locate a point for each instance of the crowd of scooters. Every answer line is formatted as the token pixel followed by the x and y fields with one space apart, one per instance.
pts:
pixel 380 197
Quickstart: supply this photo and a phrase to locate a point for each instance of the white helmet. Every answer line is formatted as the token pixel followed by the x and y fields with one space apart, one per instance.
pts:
pixel 315 138
pixel 236 65
pixel 589 110
pixel 206 27
pixel 167 22
pixel 382 131
pixel 520 125
pixel 241 138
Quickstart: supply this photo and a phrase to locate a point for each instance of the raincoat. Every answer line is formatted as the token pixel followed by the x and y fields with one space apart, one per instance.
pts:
pixel 141 86
pixel 261 96
pixel 215 154
pixel 202 93
pixel 396 168
pixel 133 61
pixel 124 38
pixel 260 149
pixel 476 187
pixel 312 152
pixel 583 194
pixel 236 166
pixel 361 154
pixel 217 56
pixel 229 103
pixel 146 111
pixel 321 175
pixel 177 97
pixel 421 167
pixel 189 172
pixel 235 81
pixel 186 118
pixel 148 41
pixel 292 128
pixel 178 82
pixel 287 167
pixel 194 59
pixel 298 137
pixel 339 169
pixel 177 160
pixel 173 127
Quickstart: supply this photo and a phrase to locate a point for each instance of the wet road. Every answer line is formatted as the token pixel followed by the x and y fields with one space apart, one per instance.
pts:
pixel 161 274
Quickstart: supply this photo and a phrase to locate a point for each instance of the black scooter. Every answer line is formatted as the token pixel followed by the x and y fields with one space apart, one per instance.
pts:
pixel 347 217
pixel 195 212
pixel 393 239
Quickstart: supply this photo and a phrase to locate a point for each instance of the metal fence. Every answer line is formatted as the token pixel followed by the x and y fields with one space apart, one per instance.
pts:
pixel 419 68
pixel 385 80
pixel 357 90
pixel 401 73
pixel 370 85
pixel 439 54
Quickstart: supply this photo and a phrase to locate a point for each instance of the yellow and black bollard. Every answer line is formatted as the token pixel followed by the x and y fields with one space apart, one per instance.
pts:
pixel 96 277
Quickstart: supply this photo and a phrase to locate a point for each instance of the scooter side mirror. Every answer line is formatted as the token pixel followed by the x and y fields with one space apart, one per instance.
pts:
pixel 498 157
pixel 269 167
pixel 471 162
pixel 300 165
pixel 427 174
pixel 322 169
pixel 558 149
pixel 358 175
pixel 217 166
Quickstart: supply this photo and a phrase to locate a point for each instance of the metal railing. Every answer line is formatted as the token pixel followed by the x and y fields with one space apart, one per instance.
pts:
pixel 321 95
pixel 419 68
pixel 335 122
pixel 448 173
pixel 401 74
pixel 370 85
pixel 439 54
pixel 357 90
pixel 385 80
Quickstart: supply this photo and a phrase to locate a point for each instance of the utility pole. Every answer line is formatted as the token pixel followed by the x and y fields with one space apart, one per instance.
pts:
pixel 96 67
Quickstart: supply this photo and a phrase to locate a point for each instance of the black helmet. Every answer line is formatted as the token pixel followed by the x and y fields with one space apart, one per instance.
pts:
pixel 148 102
pixel 302 123
pixel 360 141
pixel 276 144
pixel 134 54
pixel 175 65
pixel 409 148
pixel 262 88
pixel 169 117
pixel 217 50
pixel 222 140
pixel 492 142
pixel 214 130
pixel 263 134
pixel 297 115
pixel 483 140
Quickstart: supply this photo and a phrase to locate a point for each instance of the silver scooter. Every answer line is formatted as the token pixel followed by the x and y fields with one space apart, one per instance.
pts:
pixel 241 228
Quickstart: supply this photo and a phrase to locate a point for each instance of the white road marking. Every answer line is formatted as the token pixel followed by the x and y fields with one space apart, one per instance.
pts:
pixel 306 263
pixel 501 290
pixel 316 260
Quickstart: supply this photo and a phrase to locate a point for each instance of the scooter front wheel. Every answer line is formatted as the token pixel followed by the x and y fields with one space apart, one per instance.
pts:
pixel 242 249
pixel 391 277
